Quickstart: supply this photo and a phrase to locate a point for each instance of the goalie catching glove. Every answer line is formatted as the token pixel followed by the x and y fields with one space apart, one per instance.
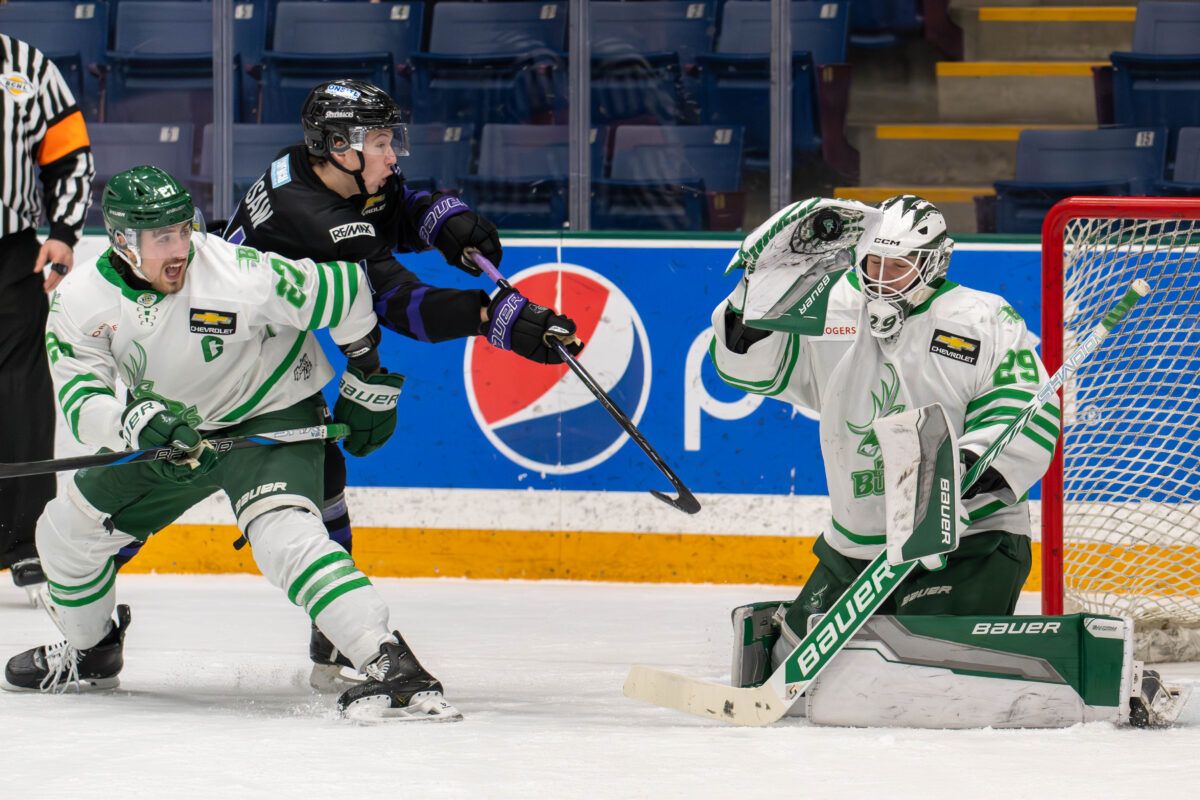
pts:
pixel 367 403
pixel 148 423
pixel 514 323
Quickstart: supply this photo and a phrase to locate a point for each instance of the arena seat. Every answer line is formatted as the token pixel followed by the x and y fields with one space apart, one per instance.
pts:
pixel 315 41
pixel 492 62
pixel 644 56
pixel 1158 83
pixel 1185 177
pixel 736 79
pixel 685 177
pixel 521 179
pixel 73 35
pixel 1054 164
pixel 121 146
pixel 439 155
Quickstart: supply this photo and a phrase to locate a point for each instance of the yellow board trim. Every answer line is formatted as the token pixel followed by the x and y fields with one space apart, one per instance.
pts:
pixel 1059 14
pixel 1017 69
pixel 971 133
pixel 934 194
pixel 526 555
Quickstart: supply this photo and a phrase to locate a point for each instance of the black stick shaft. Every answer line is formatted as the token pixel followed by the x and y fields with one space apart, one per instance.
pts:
pixel 25 468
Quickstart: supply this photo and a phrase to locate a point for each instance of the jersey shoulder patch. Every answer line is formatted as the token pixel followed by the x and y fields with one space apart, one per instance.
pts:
pixel 954 346
pixel 281 171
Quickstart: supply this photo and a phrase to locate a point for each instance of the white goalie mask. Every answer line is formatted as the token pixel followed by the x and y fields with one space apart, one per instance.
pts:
pixel 905 262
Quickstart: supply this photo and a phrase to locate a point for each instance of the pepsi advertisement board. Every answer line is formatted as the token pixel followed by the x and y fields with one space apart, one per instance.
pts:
pixel 473 417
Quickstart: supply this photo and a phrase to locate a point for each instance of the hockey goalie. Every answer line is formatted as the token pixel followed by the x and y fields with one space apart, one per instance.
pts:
pixel 846 309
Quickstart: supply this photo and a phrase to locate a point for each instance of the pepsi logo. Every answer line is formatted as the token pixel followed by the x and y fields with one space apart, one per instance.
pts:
pixel 541 416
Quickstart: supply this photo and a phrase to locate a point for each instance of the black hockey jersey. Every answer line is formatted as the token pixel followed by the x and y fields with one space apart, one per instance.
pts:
pixel 290 211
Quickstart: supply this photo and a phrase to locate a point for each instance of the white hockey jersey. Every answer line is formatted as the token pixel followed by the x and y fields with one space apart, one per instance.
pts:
pixel 234 343
pixel 966 349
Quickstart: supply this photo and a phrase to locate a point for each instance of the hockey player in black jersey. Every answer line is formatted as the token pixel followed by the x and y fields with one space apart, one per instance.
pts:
pixel 341 195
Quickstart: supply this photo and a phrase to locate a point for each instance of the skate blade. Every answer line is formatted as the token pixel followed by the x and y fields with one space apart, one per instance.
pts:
pixel 332 678
pixel 38 594
pixel 78 687
pixel 424 707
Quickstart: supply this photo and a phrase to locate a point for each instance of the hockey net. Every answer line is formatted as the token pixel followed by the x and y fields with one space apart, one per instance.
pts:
pixel 1121 502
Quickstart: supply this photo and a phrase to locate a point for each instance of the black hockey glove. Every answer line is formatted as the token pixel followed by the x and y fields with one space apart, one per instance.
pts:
pixel 148 423
pixel 523 327
pixel 989 482
pixel 464 230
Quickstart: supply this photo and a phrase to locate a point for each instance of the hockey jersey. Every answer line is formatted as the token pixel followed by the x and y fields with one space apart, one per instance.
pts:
pixel 289 210
pixel 234 343
pixel 966 349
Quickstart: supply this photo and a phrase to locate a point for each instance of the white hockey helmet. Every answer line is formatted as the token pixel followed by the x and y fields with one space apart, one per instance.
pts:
pixel 905 262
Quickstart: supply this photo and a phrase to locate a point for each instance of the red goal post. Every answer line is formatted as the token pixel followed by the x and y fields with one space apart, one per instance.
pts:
pixel 1112 506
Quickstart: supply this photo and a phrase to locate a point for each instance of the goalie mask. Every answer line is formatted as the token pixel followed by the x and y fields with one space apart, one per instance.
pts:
pixel 905 262
pixel 145 207
pixel 347 114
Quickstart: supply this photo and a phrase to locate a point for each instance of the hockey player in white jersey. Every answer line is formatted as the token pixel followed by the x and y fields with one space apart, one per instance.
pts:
pixel 210 337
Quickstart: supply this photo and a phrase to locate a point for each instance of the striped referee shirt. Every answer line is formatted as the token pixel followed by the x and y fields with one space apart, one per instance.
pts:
pixel 41 125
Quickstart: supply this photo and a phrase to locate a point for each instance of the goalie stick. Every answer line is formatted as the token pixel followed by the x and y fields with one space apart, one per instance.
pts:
pixel 24 468
pixel 768 703
pixel 686 501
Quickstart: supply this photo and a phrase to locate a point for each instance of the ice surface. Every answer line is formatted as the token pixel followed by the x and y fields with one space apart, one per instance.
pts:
pixel 214 702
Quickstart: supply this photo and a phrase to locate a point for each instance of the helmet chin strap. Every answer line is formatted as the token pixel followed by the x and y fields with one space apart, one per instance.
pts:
pixel 353 173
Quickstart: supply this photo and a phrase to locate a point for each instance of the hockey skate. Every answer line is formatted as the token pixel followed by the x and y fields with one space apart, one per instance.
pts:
pixel 57 668
pixel 1157 704
pixel 397 688
pixel 27 574
pixel 331 670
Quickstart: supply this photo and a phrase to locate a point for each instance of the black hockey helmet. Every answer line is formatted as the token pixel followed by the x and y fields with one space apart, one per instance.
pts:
pixel 337 113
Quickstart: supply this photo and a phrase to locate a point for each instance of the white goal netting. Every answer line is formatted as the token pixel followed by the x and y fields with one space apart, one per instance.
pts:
pixel 1131 433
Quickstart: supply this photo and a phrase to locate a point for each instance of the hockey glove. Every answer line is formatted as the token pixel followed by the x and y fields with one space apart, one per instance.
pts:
pixel 149 423
pixel 464 230
pixel 526 328
pixel 990 481
pixel 367 403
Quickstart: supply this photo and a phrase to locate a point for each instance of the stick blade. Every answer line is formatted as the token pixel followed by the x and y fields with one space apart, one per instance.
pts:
pixel 751 707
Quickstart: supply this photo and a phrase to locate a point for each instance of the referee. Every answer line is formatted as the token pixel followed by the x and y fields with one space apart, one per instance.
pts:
pixel 42 135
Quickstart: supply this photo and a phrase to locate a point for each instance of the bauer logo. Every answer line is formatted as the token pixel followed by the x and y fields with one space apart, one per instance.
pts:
pixel 541 416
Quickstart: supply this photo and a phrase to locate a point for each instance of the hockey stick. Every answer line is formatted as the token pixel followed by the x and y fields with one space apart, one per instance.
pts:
pixel 768 703
pixel 22 469
pixel 686 502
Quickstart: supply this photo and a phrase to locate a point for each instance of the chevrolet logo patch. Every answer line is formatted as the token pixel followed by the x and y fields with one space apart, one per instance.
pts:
pixel 219 323
pixel 952 346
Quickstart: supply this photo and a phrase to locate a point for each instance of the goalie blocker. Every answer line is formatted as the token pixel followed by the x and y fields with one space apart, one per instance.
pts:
pixel 940 671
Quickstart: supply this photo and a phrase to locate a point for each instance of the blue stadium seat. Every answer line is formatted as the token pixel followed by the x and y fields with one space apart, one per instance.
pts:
pixel 685 177
pixel 737 78
pixel 1185 179
pixel 492 62
pixel 1169 28
pixel 316 41
pixel 74 36
pixel 160 67
pixel 1054 164
pixel 120 146
pixel 521 180
pixel 883 23
pixel 643 56
pixel 438 156
pixel 254 148
pixel 1159 82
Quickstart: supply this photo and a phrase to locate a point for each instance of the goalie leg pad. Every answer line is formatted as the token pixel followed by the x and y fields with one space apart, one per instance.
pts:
pixel 755 630
pixel 973 672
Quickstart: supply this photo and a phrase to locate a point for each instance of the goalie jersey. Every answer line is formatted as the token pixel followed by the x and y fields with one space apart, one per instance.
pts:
pixel 234 343
pixel 966 349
